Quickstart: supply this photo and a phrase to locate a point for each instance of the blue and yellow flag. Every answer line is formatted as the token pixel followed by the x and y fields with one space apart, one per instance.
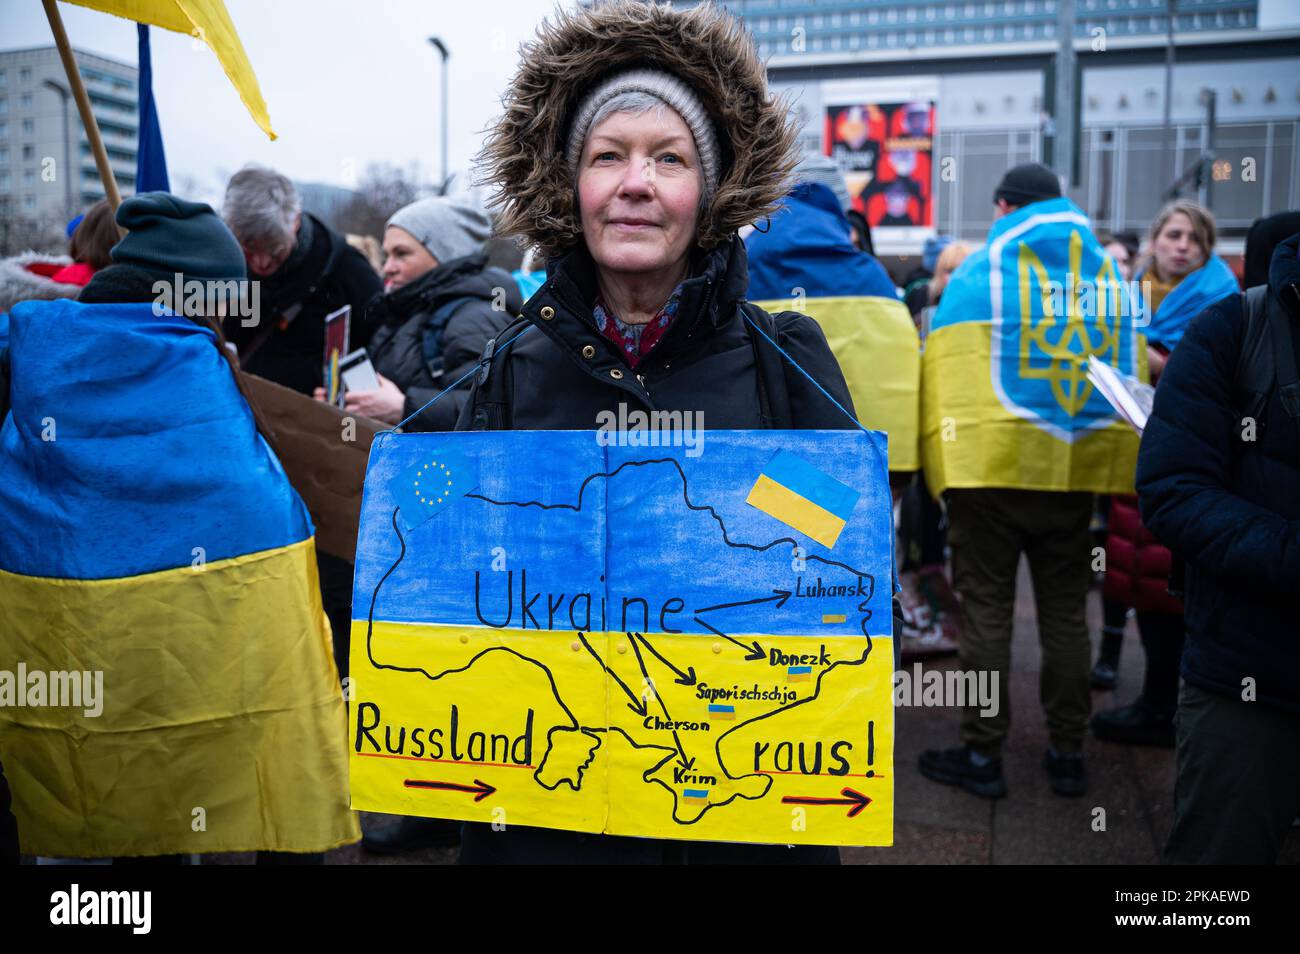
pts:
pixel 805 262
pixel 151 537
pixel 1005 400
pixel 803 497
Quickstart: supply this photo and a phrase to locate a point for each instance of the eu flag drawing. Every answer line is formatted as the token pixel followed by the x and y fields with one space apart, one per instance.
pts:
pixel 152 536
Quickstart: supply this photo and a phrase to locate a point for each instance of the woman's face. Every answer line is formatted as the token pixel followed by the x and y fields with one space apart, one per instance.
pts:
pixel 639 185
pixel 1119 253
pixel 405 259
pixel 1175 249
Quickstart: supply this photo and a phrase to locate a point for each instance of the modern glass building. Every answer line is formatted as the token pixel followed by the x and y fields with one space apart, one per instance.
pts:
pixel 987 68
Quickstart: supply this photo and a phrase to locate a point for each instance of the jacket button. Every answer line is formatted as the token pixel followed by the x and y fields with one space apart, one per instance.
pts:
pixel 547 312
pixel 588 352
pixel 616 374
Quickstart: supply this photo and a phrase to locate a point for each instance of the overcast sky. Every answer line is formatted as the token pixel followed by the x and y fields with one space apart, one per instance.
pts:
pixel 347 82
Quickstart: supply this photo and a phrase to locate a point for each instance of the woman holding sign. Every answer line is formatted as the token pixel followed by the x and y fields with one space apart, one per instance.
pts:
pixel 636 140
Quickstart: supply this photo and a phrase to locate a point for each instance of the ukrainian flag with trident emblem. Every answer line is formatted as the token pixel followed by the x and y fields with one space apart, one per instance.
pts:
pixel 1005 396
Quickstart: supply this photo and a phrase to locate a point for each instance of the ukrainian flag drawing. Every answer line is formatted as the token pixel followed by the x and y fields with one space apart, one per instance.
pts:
pixel 727 713
pixel 798 674
pixel 803 498
pixel 696 795
pixel 151 535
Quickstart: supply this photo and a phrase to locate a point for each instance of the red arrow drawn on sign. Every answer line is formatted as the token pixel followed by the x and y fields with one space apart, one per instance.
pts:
pixel 480 788
pixel 856 799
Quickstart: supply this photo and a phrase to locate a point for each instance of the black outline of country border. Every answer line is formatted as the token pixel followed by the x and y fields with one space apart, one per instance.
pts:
pixel 572 727
pixel 674 752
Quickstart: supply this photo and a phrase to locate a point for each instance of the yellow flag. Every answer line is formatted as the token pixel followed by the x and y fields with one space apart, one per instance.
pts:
pixel 209 21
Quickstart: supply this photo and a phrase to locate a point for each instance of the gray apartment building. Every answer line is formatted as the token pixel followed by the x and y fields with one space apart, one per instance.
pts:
pixel 41 134
pixel 864 70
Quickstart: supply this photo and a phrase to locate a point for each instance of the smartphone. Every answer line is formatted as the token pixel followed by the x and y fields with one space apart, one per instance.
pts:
pixel 357 373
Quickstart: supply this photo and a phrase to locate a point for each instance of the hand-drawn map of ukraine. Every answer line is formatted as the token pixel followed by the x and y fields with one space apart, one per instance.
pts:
pixel 624 639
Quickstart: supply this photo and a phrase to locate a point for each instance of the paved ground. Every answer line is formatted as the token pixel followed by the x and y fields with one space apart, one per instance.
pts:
pixel 936 824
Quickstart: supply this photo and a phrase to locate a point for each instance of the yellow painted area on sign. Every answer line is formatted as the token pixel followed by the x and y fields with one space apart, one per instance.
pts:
pixel 660 735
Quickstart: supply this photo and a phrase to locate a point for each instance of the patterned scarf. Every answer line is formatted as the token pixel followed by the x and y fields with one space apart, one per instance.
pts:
pixel 636 341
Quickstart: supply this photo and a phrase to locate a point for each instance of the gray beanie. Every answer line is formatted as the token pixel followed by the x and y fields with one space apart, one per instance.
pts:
pixel 822 169
pixel 663 86
pixel 447 227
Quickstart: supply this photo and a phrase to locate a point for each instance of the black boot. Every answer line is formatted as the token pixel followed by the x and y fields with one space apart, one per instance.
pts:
pixel 1106 672
pixel 1138 724
pixel 412 834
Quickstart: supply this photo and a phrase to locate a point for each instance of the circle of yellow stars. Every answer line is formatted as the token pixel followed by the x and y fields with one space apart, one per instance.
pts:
pixel 424 496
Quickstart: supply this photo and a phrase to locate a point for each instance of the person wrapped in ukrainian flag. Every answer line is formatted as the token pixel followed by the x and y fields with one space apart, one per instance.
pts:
pixel 153 541
pixel 1016 440
pixel 805 261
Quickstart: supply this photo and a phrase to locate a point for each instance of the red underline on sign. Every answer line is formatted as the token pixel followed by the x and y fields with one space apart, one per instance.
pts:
pixel 822 774
pixel 420 758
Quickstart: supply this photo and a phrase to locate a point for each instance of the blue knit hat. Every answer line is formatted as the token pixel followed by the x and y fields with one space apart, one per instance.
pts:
pixel 166 234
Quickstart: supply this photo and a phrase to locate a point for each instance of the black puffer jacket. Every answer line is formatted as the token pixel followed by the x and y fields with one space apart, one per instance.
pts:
pixel 476 302
pixel 1231 509
pixel 563 372
pixel 319 277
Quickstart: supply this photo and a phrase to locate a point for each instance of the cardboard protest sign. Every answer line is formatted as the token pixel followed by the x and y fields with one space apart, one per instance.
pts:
pixel 656 641
pixel 323 451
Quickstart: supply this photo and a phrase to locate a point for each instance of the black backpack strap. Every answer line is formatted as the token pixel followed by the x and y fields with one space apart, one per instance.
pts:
pixel 1288 386
pixel 773 390
pixel 490 396
pixel 1255 373
pixel 432 330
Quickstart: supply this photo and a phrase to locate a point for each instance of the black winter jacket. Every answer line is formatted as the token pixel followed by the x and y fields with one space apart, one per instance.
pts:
pixel 1230 507
pixel 314 281
pixel 473 292
pixel 562 373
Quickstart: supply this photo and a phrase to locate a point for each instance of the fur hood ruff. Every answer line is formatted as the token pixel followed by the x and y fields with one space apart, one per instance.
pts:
pixel 523 157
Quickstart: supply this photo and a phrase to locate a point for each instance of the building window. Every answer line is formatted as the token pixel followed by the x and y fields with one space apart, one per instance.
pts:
pixel 29 202
pixel 4 105
pixel 4 129
pixel 4 153
pixel 25 101
pixel 29 151
pixel 25 74
pixel 4 78
pixel 4 182
pixel 28 126
pixel 29 177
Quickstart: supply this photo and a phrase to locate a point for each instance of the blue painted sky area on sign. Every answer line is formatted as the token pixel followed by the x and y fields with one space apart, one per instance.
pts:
pixel 661 527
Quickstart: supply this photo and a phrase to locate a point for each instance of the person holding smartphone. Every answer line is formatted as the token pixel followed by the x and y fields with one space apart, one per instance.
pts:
pixel 441 304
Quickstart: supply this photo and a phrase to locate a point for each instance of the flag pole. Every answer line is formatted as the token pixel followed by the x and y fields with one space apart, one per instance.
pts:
pixel 83 105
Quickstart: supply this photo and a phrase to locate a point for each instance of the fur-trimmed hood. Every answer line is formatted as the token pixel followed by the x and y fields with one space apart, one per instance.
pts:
pixel 17 283
pixel 705 47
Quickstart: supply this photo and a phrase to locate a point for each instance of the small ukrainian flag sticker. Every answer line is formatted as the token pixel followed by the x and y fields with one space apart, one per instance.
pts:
pixel 718 711
pixel 803 498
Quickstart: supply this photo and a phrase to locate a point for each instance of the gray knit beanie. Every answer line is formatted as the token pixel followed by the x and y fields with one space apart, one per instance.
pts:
pixel 673 93
pixel 448 228
pixel 819 168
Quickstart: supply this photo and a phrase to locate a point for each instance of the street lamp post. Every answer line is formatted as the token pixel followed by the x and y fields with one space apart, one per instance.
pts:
pixel 65 95
pixel 445 53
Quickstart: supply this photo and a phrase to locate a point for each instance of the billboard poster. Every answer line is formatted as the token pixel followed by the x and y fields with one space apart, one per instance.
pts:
pixel 881 135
